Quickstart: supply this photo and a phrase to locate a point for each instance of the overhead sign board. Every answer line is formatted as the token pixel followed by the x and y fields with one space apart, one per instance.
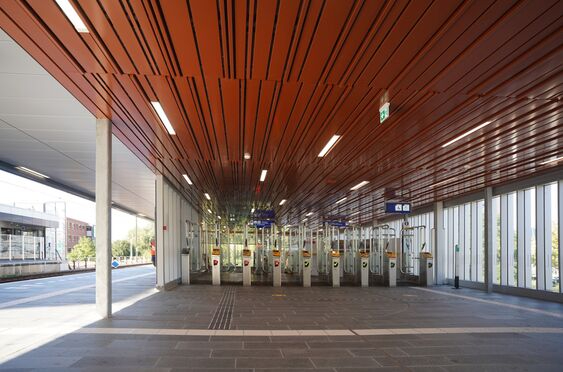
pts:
pixel 262 224
pixel 392 207
pixel 336 221
pixel 264 214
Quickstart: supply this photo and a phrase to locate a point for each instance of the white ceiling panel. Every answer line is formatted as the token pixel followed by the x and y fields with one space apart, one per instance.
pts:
pixel 45 129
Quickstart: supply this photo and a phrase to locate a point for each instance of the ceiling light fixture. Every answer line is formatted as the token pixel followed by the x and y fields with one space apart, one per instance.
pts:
pixel 246 155
pixel 355 213
pixel 283 202
pixel 219 217
pixel 187 179
pixel 444 181
pixel 141 215
pixel 252 210
pixel 72 16
pixel 163 118
pixel 309 214
pixel 263 175
pixel 341 200
pixel 207 196
pixel 209 210
pixel 467 133
pixel 361 184
pixel 552 160
pixel 32 172
pixel 329 145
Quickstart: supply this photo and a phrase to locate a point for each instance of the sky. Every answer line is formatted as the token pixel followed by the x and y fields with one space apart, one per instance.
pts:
pixel 21 192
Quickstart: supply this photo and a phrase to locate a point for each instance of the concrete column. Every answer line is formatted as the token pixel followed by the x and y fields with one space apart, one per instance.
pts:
pixel 489 231
pixel 440 260
pixel 159 231
pixel 103 217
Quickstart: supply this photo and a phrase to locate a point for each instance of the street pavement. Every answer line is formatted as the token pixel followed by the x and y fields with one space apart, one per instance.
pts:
pixel 31 309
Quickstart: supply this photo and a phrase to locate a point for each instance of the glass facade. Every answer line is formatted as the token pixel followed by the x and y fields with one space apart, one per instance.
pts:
pixel 526 236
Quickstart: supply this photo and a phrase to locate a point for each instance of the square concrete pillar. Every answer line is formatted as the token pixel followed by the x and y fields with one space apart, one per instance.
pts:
pixel 103 217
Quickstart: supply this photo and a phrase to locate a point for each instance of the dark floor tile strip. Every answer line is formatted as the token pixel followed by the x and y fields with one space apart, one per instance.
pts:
pixel 224 312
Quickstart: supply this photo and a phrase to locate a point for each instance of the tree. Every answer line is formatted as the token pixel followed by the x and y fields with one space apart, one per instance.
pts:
pixel 143 239
pixel 120 248
pixel 83 250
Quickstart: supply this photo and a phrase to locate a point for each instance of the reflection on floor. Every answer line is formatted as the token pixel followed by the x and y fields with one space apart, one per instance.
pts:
pixel 323 328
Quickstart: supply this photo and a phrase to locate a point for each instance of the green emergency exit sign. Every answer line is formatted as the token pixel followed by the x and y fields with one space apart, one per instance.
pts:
pixel 384 112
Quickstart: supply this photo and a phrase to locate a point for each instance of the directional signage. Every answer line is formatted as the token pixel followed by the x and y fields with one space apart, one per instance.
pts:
pixel 384 112
pixel 391 207
pixel 262 224
pixel 264 214
pixel 336 221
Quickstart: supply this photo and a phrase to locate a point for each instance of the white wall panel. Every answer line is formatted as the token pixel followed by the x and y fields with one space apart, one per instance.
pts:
pixel 172 211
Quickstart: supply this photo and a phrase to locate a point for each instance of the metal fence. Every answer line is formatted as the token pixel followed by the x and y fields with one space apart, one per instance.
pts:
pixel 90 262
pixel 21 247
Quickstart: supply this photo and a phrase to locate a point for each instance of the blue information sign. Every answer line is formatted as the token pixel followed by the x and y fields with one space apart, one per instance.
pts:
pixel 336 221
pixel 115 264
pixel 264 214
pixel 392 207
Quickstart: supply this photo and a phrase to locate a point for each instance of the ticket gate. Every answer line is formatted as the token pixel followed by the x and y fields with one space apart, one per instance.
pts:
pixel 306 269
pixel 390 269
pixel 276 257
pixel 216 266
pixel 336 269
pixel 426 269
pixel 246 267
pixel 363 268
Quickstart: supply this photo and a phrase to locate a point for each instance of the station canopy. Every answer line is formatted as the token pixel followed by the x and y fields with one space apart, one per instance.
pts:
pixel 474 92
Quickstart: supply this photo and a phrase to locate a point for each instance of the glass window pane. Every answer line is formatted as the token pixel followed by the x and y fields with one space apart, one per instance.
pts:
pixel 496 239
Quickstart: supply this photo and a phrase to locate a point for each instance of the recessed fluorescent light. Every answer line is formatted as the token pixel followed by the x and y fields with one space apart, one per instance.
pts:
pixel 207 196
pixel 252 210
pixel 304 219
pixel 341 200
pixel 162 115
pixel 219 217
pixel 329 145
pixel 309 214
pixel 32 172
pixel 263 175
pixel 552 160
pixel 444 181
pixel 72 16
pixel 283 202
pixel 209 210
pixel 467 133
pixel 187 179
pixel 246 155
pixel 355 213
pixel 363 183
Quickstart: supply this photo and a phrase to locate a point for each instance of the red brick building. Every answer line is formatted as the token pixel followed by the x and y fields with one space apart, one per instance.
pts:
pixel 76 229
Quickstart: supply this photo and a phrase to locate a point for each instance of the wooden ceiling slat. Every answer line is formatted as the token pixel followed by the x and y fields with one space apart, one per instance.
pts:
pixel 277 79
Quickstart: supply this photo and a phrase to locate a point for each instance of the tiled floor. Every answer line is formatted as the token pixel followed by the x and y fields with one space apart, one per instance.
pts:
pixel 321 328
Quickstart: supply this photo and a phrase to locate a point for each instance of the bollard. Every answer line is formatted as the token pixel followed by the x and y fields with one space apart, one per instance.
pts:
pixel 246 267
pixel 277 267
pixel 306 268
pixel 216 266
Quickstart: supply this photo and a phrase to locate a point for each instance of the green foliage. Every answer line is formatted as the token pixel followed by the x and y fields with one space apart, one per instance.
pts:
pixel 120 248
pixel 144 238
pixel 84 249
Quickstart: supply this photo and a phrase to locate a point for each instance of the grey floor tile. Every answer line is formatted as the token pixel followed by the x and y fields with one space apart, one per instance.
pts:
pixel 292 363
pixel 345 362
pixel 182 362
pixel 114 361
